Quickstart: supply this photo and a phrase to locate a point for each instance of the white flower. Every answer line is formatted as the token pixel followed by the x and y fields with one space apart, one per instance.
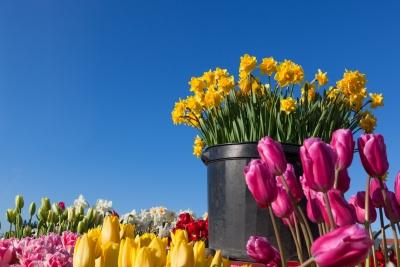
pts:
pixel 81 202
pixel 205 216
pixel 103 205
pixel 187 211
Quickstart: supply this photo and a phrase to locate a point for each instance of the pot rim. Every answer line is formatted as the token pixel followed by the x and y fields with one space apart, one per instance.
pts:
pixel 249 143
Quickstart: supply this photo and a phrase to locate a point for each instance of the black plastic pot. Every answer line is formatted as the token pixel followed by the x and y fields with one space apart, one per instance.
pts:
pixel 232 212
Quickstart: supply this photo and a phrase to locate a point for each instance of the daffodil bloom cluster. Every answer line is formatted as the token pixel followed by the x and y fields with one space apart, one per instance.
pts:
pixel 115 245
pixel 273 98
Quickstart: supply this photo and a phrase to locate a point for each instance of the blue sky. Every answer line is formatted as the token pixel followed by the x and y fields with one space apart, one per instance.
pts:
pixel 86 87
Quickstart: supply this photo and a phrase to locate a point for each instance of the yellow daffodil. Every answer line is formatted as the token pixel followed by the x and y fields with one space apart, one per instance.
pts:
pixel 247 63
pixel 288 105
pixel 127 251
pixel 352 83
pixel 288 73
pixel 310 93
pixel 212 99
pixel 245 85
pixel 332 93
pixel 368 122
pixel 321 77
pixel 110 230
pixel 226 84
pixel 178 113
pixel 197 85
pixel 145 258
pixel 181 254
pixel 159 250
pixel 209 78
pixel 84 252
pixel 256 87
pixel 268 66
pixel 220 73
pixel 198 146
pixel 127 230
pixel 376 100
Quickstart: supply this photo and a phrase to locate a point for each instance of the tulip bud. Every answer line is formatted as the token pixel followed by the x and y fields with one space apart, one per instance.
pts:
pixel 145 257
pixel 342 213
pixel 343 183
pixel 79 211
pixel 314 207
pixel 71 214
pixel 42 214
pixel 259 249
pixel 261 183
pixel 19 202
pixel 18 220
pixel 110 231
pixel 90 214
pixel 343 144
pixel 11 214
pixel 271 152
pixel 375 192
pixel 32 209
pixel 282 206
pixel 27 231
pixel 127 230
pixel 127 249
pixel 292 182
pixel 81 227
pixel 109 255
pixel 50 216
pixel 56 209
pixel 344 246
pixel 392 213
pixel 181 254
pixel 159 249
pixel 397 187
pixel 199 253
pixel 357 201
pixel 46 205
pixel 372 150
pixel 318 160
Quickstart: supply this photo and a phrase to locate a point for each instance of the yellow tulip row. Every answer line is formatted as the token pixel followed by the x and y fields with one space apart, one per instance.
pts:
pixel 115 245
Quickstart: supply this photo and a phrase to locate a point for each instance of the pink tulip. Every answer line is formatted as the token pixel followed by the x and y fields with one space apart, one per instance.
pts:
pixel 318 160
pixel 7 252
pixel 343 144
pixel 282 206
pixel 292 182
pixel 393 214
pixel 397 187
pixel 290 220
pixel 357 201
pixel 259 249
pixel 375 192
pixel 372 150
pixel 261 183
pixel 271 152
pixel 343 183
pixel 342 213
pixel 345 246
pixel 314 207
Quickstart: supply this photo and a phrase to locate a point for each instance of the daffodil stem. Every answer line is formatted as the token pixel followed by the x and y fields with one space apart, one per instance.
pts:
pixel 307 262
pixel 329 211
pixel 278 237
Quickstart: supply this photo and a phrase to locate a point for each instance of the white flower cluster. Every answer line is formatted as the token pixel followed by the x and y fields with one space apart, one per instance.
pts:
pixel 102 205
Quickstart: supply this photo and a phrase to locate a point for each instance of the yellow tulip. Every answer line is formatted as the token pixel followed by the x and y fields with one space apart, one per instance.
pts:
pixel 110 231
pixel 84 252
pixel 109 255
pixel 144 240
pixel 179 235
pixel 218 261
pixel 127 230
pixel 126 252
pixel 200 259
pixel 182 254
pixel 159 249
pixel 144 258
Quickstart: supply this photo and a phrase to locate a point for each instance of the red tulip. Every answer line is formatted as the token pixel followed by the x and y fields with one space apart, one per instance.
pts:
pixel 345 246
pixel 372 150
pixel 357 201
pixel 343 144
pixel 375 192
pixel 393 214
pixel 397 187
pixel 260 182
pixel 318 160
pixel 343 183
pixel 282 206
pixel 259 249
pixel 342 213
pixel 292 182
pixel 271 152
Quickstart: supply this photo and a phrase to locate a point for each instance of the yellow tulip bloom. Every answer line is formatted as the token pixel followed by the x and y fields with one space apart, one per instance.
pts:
pixel 200 259
pixel 179 235
pixel 84 252
pixel 144 258
pixel 159 249
pixel 127 251
pixel 109 255
pixel 110 231
pixel 182 254
pixel 127 230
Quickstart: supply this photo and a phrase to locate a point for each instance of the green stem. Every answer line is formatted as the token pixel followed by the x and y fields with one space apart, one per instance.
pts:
pixel 297 243
pixel 307 262
pixel 373 247
pixel 336 178
pixel 396 243
pixel 383 234
pixel 329 211
pixel 278 237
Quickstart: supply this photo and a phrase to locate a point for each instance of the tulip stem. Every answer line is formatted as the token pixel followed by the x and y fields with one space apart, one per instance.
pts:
pixel 335 184
pixel 373 247
pixel 329 210
pixel 396 243
pixel 383 234
pixel 278 237
pixel 307 262
pixel 367 224
pixel 297 243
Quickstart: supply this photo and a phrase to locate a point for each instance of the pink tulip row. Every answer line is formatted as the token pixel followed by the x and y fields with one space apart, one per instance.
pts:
pixel 52 250
pixel 342 242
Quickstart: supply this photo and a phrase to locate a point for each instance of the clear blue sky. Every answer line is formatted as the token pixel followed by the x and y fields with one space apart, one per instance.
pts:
pixel 86 87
